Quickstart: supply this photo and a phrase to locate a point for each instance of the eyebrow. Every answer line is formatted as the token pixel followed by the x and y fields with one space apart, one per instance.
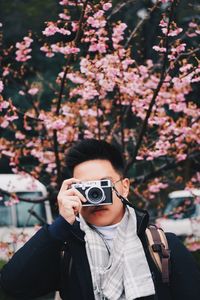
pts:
pixel 107 177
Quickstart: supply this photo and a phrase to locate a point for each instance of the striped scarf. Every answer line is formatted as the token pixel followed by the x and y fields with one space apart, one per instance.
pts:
pixel 122 273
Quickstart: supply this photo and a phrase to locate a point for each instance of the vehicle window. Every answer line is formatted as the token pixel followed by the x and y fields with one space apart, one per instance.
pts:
pixel 180 208
pixel 5 214
pixel 21 216
pixel 24 217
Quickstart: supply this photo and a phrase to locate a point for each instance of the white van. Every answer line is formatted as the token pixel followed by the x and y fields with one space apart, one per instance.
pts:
pixel 182 213
pixel 18 222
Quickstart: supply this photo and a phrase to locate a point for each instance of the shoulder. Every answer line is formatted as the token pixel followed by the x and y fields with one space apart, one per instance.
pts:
pixel 175 243
pixel 185 273
pixel 177 248
pixel 181 257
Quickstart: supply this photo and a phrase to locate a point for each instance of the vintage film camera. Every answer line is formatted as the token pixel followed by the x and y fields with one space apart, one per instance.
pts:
pixel 96 192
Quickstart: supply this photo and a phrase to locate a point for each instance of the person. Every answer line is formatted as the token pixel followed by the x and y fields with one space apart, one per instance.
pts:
pixel 100 251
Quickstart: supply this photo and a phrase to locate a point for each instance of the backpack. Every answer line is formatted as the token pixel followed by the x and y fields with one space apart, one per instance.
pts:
pixel 159 250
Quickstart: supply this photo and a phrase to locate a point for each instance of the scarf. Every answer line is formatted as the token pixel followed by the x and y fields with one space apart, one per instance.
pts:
pixel 121 272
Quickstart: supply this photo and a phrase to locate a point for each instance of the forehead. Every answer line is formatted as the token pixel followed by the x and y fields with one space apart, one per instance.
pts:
pixel 96 169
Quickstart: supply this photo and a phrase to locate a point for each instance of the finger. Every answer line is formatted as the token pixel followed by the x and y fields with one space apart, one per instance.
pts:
pixel 74 204
pixel 68 182
pixel 77 193
pixel 73 199
pixel 70 192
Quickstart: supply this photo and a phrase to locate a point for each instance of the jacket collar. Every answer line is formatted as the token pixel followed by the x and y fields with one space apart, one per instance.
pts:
pixel 142 217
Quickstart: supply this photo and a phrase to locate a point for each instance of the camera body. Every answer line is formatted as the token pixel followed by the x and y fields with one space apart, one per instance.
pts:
pixel 97 192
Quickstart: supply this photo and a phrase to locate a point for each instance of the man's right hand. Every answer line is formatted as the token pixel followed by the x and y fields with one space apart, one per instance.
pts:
pixel 69 200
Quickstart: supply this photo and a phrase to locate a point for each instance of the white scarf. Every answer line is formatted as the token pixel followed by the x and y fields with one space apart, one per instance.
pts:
pixel 124 273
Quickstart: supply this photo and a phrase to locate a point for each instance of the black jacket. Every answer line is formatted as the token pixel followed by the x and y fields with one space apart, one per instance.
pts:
pixel 55 259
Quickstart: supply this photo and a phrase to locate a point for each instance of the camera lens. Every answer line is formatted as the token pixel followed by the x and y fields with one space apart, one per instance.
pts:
pixel 95 195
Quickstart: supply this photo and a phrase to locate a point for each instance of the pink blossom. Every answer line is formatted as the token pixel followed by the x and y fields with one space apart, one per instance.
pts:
pixel 67 2
pixel 11 202
pixel 126 63
pixel 154 188
pixel 6 71
pixel 50 168
pixel 165 1
pixel 150 158
pixel 88 134
pixel 175 32
pixel 57 124
pixel 47 50
pixel 196 79
pixel 191 35
pixel 107 6
pixel 178 49
pixel 139 157
pixel 12 118
pixel 185 68
pixel 180 157
pixel 97 21
pixel 64 16
pixel 65 50
pixel 49 54
pixel 28 41
pixel 64 2
pixel 164 30
pixel 8 152
pixel 19 135
pixel 1 86
pixel 64 31
pixel 118 33
pixel 99 14
pixel 4 105
pixel 23 49
pixel 74 77
pixel 74 26
pixel 21 93
pixel 100 47
pixel 163 23
pixel 159 49
pixel 33 91
pixel 4 124
pixel 192 25
pixel 50 30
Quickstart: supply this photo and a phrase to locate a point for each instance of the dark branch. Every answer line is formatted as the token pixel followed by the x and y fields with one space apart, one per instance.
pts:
pixel 155 94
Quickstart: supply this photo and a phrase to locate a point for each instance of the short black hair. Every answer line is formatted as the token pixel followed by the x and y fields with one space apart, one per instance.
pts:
pixel 90 149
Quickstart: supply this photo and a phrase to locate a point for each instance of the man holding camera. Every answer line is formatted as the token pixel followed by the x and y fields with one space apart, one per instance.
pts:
pixel 97 249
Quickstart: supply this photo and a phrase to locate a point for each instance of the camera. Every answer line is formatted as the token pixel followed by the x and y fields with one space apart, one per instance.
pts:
pixel 97 192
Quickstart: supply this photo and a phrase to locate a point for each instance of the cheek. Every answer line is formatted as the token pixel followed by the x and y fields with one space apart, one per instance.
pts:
pixel 120 190
pixel 84 211
pixel 117 203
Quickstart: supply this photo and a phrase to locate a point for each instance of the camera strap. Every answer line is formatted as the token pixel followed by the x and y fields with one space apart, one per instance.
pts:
pixel 124 200
pixel 157 244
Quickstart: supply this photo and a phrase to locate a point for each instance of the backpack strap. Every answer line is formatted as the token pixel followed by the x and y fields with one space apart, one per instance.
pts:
pixel 159 250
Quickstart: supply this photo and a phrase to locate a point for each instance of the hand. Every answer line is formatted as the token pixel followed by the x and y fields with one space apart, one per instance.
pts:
pixel 69 200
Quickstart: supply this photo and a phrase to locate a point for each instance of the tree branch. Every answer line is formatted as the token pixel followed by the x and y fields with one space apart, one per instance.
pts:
pixel 155 94
pixel 55 139
pixel 120 6
pixel 139 24
pixel 165 167
pixel 76 40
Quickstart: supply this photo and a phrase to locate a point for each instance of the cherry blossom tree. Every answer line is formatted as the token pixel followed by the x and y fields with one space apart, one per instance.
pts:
pixel 105 90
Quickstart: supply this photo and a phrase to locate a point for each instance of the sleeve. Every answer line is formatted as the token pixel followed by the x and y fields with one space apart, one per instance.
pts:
pixel 34 270
pixel 185 273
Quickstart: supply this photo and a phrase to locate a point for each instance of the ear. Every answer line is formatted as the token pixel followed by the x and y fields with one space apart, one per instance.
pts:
pixel 126 186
